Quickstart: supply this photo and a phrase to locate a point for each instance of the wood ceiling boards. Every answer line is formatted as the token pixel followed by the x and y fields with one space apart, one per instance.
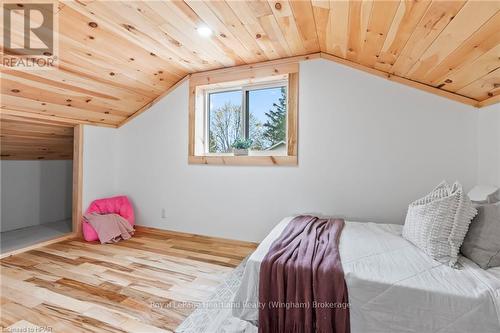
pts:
pixel 117 57
pixel 21 140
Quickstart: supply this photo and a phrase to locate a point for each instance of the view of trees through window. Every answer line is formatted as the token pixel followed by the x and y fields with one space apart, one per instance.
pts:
pixel 265 112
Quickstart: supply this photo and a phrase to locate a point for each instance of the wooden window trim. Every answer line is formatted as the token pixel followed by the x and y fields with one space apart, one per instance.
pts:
pixel 253 72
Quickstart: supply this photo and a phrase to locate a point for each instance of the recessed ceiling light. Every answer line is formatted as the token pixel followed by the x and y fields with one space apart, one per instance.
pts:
pixel 204 31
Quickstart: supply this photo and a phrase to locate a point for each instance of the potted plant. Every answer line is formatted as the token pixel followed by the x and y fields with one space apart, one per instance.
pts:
pixel 240 147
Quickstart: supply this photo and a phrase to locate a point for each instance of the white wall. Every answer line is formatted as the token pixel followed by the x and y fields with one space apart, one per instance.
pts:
pixel 367 147
pixel 35 192
pixel 489 146
pixel 99 163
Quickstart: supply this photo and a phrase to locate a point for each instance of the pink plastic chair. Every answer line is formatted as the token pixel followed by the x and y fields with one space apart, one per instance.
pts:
pixel 116 205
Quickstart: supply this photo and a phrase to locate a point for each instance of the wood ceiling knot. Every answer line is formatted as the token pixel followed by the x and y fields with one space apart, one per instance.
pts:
pixel 128 27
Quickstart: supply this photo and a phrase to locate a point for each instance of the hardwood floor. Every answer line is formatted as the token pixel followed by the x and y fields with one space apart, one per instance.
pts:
pixel 149 283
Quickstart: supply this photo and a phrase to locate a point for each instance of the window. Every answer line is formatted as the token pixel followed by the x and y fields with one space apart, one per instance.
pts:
pixel 225 120
pixel 255 114
pixel 246 115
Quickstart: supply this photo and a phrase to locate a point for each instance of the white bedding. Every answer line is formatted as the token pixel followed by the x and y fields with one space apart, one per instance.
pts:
pixel 394 287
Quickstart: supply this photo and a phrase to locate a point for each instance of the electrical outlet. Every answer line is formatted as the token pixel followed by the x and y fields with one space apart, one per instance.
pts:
pixel 163 213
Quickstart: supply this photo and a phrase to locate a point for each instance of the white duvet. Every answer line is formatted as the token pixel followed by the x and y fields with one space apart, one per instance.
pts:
pixel 394 287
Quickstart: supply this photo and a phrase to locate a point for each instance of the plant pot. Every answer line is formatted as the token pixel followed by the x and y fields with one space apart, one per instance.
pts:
pixel 240 152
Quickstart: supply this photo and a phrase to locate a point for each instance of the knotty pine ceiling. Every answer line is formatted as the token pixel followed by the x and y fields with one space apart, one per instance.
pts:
pixel 118 56
pixel 26 140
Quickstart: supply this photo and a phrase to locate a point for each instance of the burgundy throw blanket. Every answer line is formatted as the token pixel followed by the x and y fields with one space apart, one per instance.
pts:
pixel 302 286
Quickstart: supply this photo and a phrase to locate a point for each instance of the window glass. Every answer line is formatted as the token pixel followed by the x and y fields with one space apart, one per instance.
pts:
pixel 225 123
pixel 267 119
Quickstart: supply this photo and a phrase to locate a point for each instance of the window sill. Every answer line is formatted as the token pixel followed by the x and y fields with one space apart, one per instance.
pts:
pixel 244 160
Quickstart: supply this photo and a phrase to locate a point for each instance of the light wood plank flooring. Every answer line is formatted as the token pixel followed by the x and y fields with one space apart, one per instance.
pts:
pixel 146 284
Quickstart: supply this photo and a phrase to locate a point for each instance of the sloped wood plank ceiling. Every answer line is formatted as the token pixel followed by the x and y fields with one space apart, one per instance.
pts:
pixel 118 56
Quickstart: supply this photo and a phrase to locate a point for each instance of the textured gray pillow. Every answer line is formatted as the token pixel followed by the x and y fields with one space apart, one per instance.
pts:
pixel 482 242
pixel 438 222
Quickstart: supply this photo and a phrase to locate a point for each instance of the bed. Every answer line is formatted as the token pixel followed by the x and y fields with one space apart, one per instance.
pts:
pixel 394 287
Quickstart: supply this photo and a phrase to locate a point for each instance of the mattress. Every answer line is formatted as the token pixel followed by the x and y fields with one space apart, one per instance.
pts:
pixel 395 287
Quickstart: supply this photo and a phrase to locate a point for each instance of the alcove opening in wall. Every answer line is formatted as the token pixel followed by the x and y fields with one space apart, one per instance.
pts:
pixel 37 183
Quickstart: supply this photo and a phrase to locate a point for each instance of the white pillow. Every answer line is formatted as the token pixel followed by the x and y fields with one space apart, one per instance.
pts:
pixel 438 223
pixel 482 194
